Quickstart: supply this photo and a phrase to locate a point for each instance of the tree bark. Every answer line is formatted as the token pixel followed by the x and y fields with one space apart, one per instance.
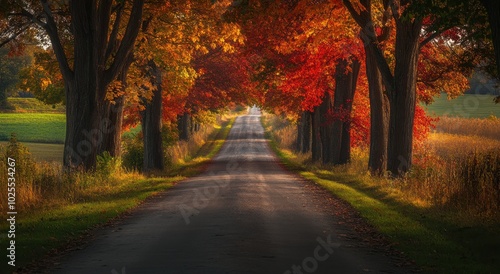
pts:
pixel 346 76
pixel 82 133
pixel 114 111
pixel 345 150
pixel 151 124
pixel 315 138
pixel 325 127
pixel 379 116
pixel 403 98
pixel 304 133
pixel 306 141
pixel 300 133
pixel 183 125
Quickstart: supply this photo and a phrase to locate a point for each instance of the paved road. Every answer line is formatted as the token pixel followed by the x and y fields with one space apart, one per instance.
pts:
pixel 245 214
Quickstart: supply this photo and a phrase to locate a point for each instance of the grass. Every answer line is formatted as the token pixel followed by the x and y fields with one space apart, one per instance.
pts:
pixel 439 239
pixel 474 127
pixel 69 207
pixel 44 152
pixel 465 106
pixel 32 105
pixel 33 127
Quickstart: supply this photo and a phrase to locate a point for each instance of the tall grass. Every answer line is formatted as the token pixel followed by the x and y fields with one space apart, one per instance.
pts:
pixel 456 173
pixel 183 151
pixel 488 128
pixel 43 185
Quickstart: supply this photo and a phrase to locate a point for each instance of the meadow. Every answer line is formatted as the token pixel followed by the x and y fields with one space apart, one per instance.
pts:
pixel 465 106
pixel 32 105
pixel 33 127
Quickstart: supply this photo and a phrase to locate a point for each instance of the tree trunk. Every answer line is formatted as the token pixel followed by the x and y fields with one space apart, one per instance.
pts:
pixel 316 143
pixel 114 111
pixel 342 84
pixel 93 125
pixel 303 142
pixel 183 125
pixel 340 133
pixel 325 127
pixel 300 134
pixel 493 10
pixel 345 148
pixel 82 132
pixel 306 141
pixel 403 97
pixel 151 124
pixel 379 116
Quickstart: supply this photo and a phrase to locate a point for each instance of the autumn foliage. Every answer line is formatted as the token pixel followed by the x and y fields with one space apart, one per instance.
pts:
pixel 289 57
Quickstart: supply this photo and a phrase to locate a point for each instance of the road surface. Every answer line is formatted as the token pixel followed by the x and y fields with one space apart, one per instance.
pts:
pixel 245 214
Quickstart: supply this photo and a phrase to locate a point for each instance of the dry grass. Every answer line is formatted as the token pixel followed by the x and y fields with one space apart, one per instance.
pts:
pixel 45 185
pixel 488 128
pixel 452 172
pixel 183 151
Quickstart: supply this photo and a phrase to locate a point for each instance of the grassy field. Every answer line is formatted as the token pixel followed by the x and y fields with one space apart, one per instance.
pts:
pixel 434 216
pixel 33 127
pixel 467 106
pixel 32 105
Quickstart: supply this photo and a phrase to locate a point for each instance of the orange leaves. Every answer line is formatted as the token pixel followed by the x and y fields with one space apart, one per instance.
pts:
pixel 438 71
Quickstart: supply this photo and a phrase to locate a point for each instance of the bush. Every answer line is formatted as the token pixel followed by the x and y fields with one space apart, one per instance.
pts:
pixel 107 165
pixel 133 153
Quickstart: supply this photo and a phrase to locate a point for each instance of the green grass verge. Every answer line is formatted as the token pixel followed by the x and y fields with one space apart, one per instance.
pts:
pixel 33 105
pixel 33 127
pixel 466 106
pixel 43 230
pixel 436 241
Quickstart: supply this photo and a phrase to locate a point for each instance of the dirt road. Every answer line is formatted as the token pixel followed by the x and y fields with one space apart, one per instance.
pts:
pixel 245 214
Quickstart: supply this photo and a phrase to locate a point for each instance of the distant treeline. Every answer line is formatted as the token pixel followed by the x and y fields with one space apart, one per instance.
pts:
pixel 480 83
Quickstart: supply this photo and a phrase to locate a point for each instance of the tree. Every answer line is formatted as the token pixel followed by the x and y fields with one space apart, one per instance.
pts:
pixel 174 37
pixel 416 24
pixel 10 66
pixel 102 35
pixel 42 78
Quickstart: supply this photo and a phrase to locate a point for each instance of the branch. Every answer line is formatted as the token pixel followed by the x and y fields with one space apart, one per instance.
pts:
pixel 51 29
pixel 355 15
pixel 16 34
pixel 127 42
pixel 429 38
pixel 114 32
pixel 102 27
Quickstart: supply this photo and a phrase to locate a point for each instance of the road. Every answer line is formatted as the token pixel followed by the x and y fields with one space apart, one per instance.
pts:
pixel 245 214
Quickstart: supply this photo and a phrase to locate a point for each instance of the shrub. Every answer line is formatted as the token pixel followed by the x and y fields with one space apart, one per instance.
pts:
pixel 133 153
pixel 108 165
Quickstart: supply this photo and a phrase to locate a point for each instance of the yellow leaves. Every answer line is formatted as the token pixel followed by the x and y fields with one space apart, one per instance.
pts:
pixel 45 82
pixel 115 90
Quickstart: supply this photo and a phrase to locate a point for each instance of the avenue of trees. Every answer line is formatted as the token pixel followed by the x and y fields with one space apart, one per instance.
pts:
pixel 351 72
